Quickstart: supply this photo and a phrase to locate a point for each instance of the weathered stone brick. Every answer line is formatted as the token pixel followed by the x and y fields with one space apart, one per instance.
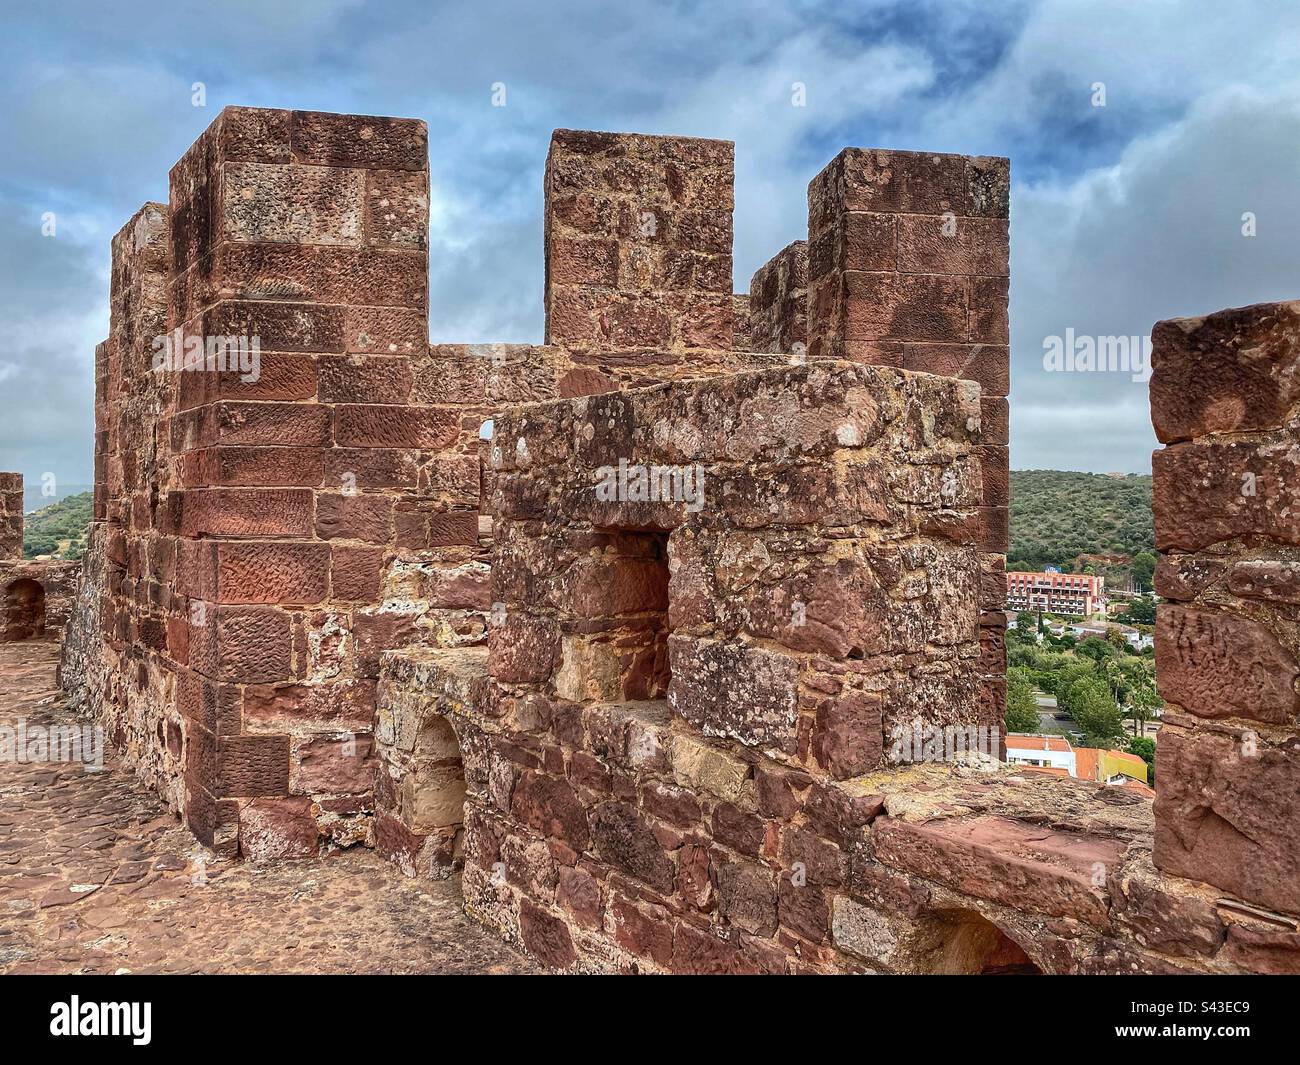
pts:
pixel 545 936
pixel 1210 491
pixel 246 512
pixel 328 765
pixel 729 690
pixel 849 739
pixel 1220 665
pixel 1227 372
pixel 747 897
pixel 356 573
pixel 354 517
pixel 365 379
pixel 291 204
pixel 252 572
pixel 367 141
pixel 644 931
pixel 275 829
pixel 579 893
pixel 367 425
pixel 1228 814
pixel 735 828
pixel 550 806
pixel 1006 861
pixel 624 839
pixel 253 765
pixel 345 704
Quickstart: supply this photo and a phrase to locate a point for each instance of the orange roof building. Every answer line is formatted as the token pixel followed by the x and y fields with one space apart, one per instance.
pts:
pixel 1054 755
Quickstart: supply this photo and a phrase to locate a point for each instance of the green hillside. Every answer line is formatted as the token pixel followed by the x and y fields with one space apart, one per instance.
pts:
pixel 1056 516
pixel 60 528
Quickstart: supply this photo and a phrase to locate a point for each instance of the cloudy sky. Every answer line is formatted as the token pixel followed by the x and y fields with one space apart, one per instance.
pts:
pixel 1121 214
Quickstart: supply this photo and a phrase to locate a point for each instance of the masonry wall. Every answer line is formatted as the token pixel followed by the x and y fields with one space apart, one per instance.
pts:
pixel 36 598
pixel 127 624
pixel 83 656
pixel 261 538
pixel 637 252
pixel 11 516
pixel 638 267
pixel 667 681
pixel 681 750
pixel 675 750
pixel 638 242
pixel 778 303
pixel 36 595
pixel 1224 402
pixel 908 266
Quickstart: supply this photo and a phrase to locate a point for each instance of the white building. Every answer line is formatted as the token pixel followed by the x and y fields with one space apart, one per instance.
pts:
pixel 1041 752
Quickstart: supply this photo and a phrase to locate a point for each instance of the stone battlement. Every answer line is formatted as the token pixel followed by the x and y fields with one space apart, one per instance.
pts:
pixel 36 595
pixel 635 666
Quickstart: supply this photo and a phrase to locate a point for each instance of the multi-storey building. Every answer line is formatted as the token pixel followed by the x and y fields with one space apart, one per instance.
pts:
pixel 1060 593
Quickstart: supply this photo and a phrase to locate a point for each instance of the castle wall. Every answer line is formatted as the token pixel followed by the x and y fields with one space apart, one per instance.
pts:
pixel 319 609
pixel 11 516
pixel 1227 493
pixel 669 682
pixel 778 302
pixel 908 266
pixel 36 595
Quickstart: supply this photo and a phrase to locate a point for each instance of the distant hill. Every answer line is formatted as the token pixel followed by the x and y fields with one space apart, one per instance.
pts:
pixel 60 528
pixel 1057 515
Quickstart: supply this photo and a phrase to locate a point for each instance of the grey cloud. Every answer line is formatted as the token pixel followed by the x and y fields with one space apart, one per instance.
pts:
pixel 98 111
pixel 1157 236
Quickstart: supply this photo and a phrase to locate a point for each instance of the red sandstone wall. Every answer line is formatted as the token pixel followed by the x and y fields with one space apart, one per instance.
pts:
pixel 128 582
pixel 638 242
pixel 1227 494
pixel 11 516
pixel 307 232
pixel 671 692
pixel 266 540
pixel 638 254
pixel 778 303
pixel 908 266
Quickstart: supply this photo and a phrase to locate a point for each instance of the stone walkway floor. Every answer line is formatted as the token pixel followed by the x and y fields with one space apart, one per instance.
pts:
pixel 97 877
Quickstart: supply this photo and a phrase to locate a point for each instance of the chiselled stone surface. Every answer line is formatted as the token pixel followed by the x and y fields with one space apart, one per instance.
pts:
pixel 1227 497
pixel 1219 665
pixel 1228 812
pixel 1232 371
pixel 1212 490
pixel 1006 861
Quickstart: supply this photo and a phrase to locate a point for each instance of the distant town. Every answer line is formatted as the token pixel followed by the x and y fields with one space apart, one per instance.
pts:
pixel 1081 696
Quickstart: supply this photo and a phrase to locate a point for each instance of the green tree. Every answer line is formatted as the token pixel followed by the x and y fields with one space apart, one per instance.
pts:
pixel 1143 568
pixel 1095 647
pixel 1090 703
pixel 1022 710
pixel 1141 611
pixel 1132 681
